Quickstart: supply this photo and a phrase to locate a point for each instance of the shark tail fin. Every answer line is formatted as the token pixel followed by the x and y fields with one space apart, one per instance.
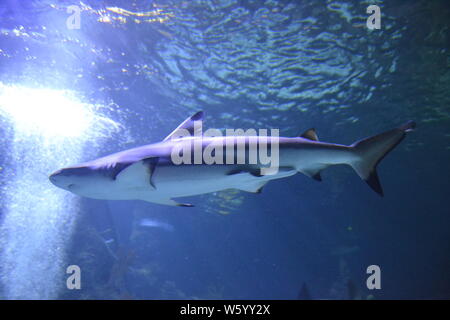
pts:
pixel 371 151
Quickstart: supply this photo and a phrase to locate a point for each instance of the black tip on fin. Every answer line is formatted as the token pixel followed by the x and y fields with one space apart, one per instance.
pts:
pixel 317 177
pixel 374 183
pixel 409 126
pixel 255 173
pixel 185 205
pixel 310 134
pixel 198 116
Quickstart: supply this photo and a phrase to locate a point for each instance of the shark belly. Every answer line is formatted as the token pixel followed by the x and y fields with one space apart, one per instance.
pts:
pixel 189 180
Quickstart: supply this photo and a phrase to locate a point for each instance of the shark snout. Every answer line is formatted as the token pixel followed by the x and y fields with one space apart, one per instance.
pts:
pixel 55 174
pixel 58 178
pixel 65 178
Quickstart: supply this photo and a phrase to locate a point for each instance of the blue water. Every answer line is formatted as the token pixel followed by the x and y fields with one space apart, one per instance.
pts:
pixel 134 70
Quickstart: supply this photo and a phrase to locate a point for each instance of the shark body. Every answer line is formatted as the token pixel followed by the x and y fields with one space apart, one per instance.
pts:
pixel 148 173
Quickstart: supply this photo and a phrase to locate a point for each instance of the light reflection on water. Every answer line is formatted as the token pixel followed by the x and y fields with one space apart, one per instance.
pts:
pixel 49 129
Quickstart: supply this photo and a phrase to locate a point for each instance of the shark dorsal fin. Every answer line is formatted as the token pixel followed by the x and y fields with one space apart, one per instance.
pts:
pixel 187 124
pixel 310 134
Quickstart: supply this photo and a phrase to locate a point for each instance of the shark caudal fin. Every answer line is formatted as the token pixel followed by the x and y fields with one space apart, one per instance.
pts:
pixel 372 150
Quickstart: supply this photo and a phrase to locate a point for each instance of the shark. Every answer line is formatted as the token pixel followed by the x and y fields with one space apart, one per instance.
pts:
pixel 149 172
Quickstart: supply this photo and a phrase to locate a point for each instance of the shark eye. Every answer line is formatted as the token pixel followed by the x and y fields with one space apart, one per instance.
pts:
pixel 70 186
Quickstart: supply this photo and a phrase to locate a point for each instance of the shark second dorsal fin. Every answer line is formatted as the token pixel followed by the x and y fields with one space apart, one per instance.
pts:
pixel 187 124
pixel 310 134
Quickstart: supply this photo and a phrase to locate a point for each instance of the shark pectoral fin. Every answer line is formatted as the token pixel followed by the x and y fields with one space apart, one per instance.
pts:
pixel 188 125
pixel 151 163
pixel 137 174
pixel 118 168
pixel 169 202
